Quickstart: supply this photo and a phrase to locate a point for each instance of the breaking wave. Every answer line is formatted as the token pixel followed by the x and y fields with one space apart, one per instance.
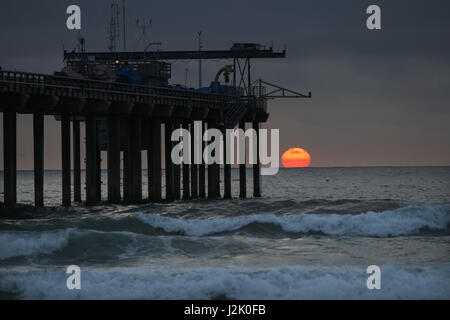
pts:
pixel 14 244
pixel 404 221
pixel 18 244
pixel 294 282
pixel 146 232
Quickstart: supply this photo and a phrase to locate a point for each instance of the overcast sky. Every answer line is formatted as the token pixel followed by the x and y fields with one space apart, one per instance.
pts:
pixel 379 97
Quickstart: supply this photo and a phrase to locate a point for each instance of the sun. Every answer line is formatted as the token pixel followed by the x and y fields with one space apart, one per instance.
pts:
pixel 295 158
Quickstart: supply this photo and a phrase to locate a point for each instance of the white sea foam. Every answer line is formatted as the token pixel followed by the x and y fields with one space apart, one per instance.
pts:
pixel 403 221
pixel 16 244
pixel 295 282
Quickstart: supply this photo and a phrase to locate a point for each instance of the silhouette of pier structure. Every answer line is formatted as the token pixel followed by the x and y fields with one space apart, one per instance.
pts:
pixel 130 118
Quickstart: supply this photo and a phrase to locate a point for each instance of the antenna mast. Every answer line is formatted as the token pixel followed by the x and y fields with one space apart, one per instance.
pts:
pixel 81 42
pixel 200 60
pixel 124 34
pixel 144 27
pixel 113 29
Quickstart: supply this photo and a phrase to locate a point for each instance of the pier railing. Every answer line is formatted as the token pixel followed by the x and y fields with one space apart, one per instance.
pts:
pixel 34 83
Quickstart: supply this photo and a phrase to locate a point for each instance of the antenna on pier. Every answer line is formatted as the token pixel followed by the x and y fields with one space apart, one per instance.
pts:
pixel 114 27
pixel 146 24
pixel 81 42
pixel 123 20
pixel 199 60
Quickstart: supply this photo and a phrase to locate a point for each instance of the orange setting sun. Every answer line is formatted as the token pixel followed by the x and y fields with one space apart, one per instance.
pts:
pixel 295 158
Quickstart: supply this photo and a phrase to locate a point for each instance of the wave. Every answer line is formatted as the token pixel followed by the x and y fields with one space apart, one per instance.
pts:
pixel 404 221
pixel 14 244
pixel 18 244
pixel 285 282
pixel 146 232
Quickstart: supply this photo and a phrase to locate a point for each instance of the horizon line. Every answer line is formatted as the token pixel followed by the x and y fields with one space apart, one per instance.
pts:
pixel 310 167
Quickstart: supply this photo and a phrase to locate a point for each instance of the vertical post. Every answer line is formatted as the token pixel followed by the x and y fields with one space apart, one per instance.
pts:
pixel 127 162
pixel 76 162
pixel 176 174
pixel 10 158
pixel 98 186
pixel 113 158
pixel 91 160
pixel 134 162
pixel 213 173
pixel 200 60
pixel 138 160
pixel 234 77
pixel 154 160
pixel 256 166
pixel 65 157
pixel 194 166
pixel 217 187
pixel 226 168
pixel 201 168
pixel 98 181
pixel 38 140
pixel 126 187
pixel 210 175
pixel 169 164
pixel 242 175
pixel 186 167
pixel 147 135
pixel 249 78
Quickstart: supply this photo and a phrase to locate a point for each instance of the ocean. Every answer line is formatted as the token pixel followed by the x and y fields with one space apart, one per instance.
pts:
pixel 311 235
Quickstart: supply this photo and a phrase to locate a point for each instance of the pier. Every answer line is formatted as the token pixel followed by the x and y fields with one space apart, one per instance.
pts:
pixel 130 118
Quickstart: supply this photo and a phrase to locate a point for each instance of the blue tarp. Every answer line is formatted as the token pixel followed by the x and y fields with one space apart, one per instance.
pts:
pixel 126 75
